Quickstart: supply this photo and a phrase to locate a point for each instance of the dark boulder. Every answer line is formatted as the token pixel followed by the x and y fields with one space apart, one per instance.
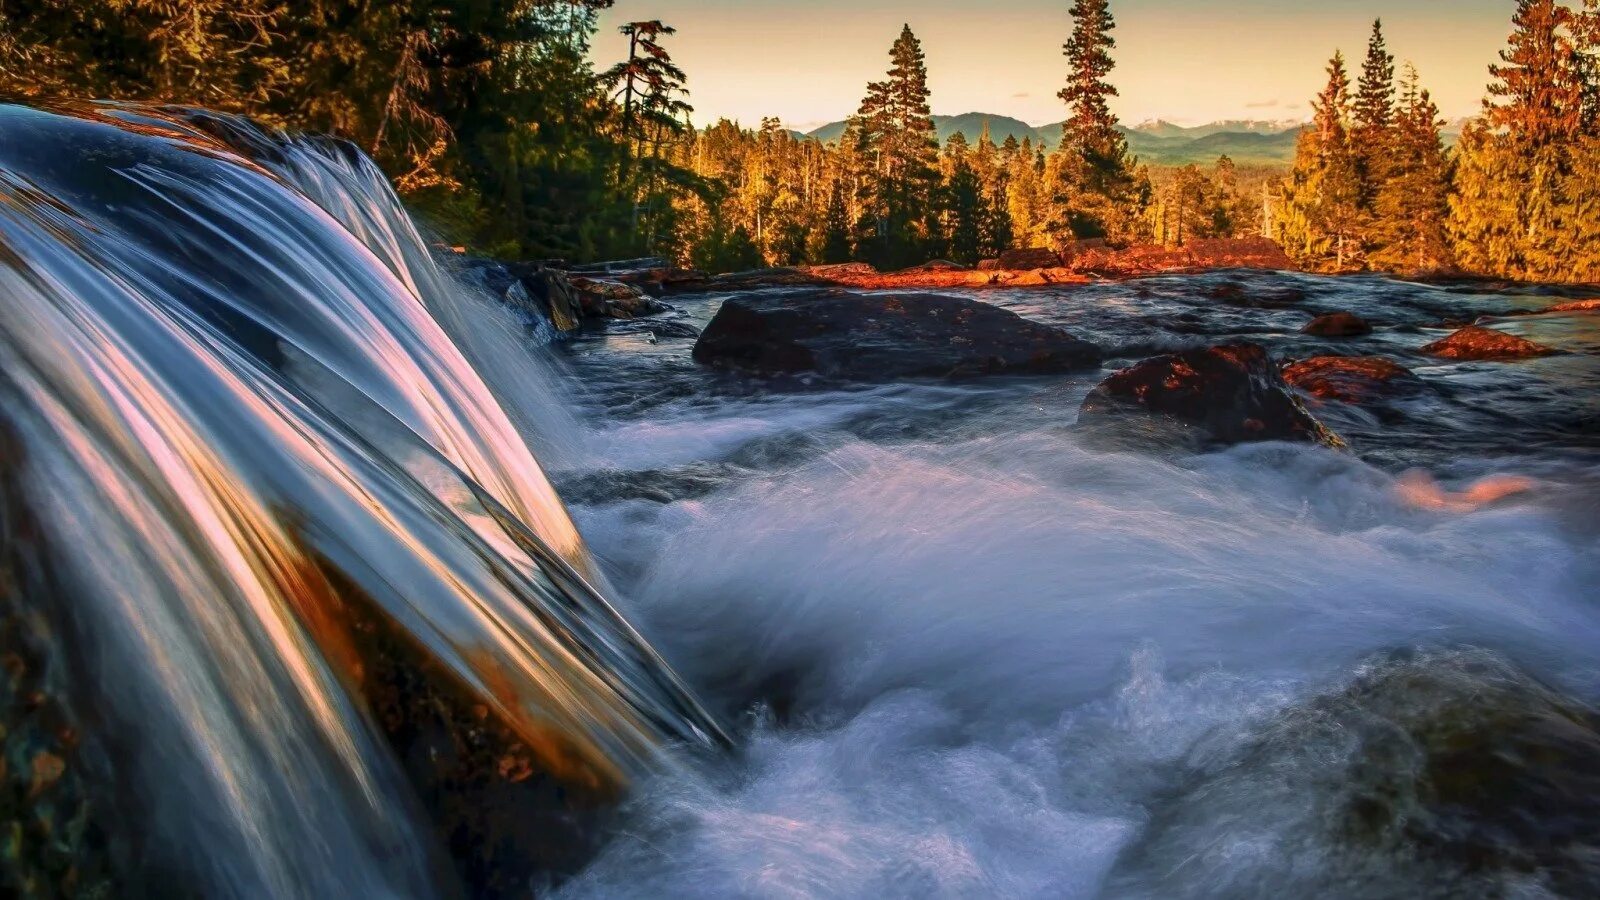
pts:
pixel 1352 379
pixel 1476 342
pixel 538 290
pixel 667 280
pixel 1031 258
pixel 1440 774
pixel 603 298
pixel 782 276
pixel 552 291
pixel 1231 394
pixel 840 334
pixel 1337 325
pixel 618 267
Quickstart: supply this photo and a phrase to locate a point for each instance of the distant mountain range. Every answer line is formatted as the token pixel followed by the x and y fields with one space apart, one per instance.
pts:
pixel 1158 142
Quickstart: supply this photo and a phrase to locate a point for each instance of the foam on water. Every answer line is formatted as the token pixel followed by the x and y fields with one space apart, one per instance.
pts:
pixel 986 658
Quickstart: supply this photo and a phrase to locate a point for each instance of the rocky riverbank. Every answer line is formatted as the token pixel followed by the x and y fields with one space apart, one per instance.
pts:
pixel 565 295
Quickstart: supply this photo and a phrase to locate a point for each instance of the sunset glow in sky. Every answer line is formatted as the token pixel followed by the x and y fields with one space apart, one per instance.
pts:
pixel 1188 61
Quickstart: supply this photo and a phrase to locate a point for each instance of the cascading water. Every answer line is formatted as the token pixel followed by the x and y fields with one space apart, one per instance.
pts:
pixel 281 569
pixel 258 476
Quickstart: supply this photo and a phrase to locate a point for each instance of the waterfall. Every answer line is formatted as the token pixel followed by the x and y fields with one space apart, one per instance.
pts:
pixel 267 476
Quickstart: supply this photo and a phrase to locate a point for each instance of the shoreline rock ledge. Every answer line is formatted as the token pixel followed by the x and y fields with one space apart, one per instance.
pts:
pixel 839 334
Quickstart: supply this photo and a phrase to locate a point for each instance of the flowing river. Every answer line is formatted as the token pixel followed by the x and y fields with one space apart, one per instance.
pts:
pixel 283 504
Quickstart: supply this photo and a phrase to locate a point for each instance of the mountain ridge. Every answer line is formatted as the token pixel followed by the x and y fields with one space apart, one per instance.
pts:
pixel 1159 142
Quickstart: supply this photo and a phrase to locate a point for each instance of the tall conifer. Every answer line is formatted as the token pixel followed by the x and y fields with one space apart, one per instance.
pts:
pixel 1320 213
pixel 1097 194
pixel 1412 204
pixel 899 153
pixel 1372 115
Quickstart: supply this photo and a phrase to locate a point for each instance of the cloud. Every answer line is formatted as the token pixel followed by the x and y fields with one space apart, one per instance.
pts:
pixel 1021 95
pixel 1264 104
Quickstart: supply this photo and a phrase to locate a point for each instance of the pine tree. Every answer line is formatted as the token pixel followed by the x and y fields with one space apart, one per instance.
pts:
pixel 836 232
pixel 963 198
pixel 1026 200
pixel 1320 214
pixel 899 154
pixel 1581 207
pixel 1537 92
pixel 1096 193
pixel 1229 211
pixel 1412 205
pixel 1372 117
pixel 988 163
pixel 1510 213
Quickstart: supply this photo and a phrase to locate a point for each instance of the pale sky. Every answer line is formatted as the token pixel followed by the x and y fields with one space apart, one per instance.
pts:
pixel 1187 61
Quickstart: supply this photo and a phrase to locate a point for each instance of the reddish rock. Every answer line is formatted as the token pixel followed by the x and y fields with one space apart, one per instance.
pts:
pixel 1195 255
pixel 1352 379
pixel 936 265
pixel 1032 258
pixel 1589 305
pixel 1239 253
pixel 667 279
pixel 874 337
pixel 1476 342
pixel 842 270
pixel 1337 325
pixel 1231 394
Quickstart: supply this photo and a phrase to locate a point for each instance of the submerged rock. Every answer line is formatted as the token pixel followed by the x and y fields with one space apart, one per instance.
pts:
pixel 1352 379
pixel 1435 775
pixel 1338 324
pixel 869 337
pixel 1231 394
pixel 1477 342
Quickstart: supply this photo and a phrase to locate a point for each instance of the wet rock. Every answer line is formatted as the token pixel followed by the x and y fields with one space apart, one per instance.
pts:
pixel 784 276
pixel 1239 253
pixel 1478 343
pixel 1038 277
pixel 1352 379
pixel 1337 325
pixel 1194 255
pixel 1442 774
pixel 1230 394
pixel 667 280
pixel 843 270
pixel 538 290
pixel 1590 305
pixel 620 267
pixel 553 292
pixel 872 337
pixel 1031 258
pixel 936 265
pixel 607 299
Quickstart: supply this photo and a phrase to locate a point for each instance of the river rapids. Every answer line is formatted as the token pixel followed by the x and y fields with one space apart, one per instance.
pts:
pixel 264 459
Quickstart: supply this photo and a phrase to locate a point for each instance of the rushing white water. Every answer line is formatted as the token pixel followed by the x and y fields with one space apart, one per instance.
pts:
pixel 257 431
pixel 269 455
pixel 992 656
